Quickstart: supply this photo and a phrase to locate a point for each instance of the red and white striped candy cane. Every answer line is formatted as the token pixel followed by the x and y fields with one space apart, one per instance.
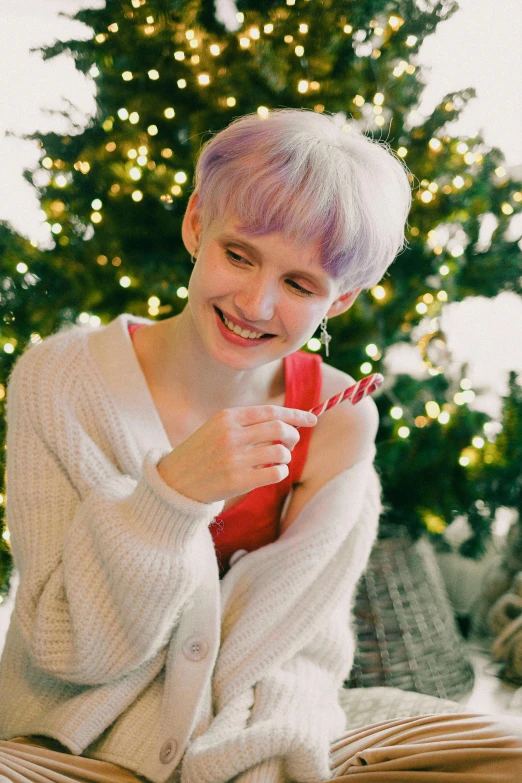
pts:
pixel 353 393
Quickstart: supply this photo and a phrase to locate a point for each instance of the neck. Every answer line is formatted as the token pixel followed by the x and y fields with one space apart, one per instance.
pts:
pixel 203 383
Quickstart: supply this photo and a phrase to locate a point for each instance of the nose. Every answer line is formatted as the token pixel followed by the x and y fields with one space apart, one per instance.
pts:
pixel 256 302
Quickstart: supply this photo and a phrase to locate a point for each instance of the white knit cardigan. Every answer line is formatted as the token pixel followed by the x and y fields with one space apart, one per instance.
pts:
pixel 124 645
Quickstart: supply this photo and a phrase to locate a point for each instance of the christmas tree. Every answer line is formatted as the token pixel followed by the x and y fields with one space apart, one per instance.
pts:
pixel 168 73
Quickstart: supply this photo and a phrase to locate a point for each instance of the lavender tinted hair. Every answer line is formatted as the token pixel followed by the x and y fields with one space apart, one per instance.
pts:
pixel 297 172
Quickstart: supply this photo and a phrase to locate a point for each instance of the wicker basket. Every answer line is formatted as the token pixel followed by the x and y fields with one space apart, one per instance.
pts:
pixel 407 636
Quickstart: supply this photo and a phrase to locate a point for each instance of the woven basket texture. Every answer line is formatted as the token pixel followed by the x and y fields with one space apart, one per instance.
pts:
pixel 407 636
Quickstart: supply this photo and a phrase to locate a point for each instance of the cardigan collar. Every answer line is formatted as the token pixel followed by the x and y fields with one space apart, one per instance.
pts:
pixel 112 348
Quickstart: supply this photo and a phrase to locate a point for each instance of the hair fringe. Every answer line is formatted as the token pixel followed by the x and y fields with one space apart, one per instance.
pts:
pixel 298 172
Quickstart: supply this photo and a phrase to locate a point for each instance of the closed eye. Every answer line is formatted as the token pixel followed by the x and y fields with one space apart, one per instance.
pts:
pixel 239 259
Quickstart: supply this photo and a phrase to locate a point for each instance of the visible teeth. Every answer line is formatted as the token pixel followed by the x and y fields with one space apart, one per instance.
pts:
pixel 242 332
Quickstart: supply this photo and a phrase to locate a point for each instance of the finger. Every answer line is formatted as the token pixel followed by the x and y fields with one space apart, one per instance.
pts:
pixel 256 414
pixel 270 432
pixel 272 455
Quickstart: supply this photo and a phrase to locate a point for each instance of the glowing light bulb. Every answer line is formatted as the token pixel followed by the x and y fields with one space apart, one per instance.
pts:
pixel 378 292
pixel 396 413
pixel 432 409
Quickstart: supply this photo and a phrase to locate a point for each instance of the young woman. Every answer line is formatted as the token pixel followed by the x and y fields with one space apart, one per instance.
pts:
pixel 188 539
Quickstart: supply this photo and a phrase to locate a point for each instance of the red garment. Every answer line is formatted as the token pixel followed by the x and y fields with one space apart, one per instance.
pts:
pixel 254 521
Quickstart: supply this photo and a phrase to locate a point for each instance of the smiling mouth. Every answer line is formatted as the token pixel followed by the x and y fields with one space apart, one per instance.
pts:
pixel 265 335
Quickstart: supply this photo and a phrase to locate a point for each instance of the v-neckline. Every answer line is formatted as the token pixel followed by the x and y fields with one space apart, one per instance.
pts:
pixel 114 351
pixel 112 345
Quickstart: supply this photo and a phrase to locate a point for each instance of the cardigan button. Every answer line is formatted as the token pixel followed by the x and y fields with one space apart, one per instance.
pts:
pixel 168 751
pixel 195 648
pixel 237 556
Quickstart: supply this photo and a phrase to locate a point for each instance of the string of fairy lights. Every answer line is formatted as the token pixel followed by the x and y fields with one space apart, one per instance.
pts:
pixel 198 54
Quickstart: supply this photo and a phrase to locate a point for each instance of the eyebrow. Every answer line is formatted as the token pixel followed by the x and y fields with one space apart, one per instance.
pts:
pixel 231 239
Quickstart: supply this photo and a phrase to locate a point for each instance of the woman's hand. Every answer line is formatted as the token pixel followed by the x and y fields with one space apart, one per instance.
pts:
pixel 235 451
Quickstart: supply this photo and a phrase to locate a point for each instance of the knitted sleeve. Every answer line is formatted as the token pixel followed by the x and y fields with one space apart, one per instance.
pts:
pixel 105 568
pixel 302 651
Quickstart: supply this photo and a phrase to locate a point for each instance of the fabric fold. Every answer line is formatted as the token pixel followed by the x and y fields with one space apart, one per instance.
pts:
pixel 457 748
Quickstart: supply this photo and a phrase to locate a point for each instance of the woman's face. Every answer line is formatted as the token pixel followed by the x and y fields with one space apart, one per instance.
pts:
pixel 269 284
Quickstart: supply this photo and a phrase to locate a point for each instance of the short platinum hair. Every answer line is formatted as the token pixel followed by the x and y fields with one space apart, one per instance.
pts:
pixel 298 172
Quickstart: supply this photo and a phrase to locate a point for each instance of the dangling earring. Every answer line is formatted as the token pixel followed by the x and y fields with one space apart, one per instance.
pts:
pixel 325 337
pixel 192 259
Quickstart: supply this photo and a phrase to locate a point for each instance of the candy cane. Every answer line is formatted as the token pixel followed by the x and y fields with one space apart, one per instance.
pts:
pixel 353 393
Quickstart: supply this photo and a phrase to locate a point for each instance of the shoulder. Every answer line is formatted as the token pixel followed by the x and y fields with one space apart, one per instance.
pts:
pixel 40 374
pixel 349 430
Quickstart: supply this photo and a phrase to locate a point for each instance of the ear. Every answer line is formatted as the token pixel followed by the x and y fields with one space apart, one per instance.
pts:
pixel 191 226
pixel 343 303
